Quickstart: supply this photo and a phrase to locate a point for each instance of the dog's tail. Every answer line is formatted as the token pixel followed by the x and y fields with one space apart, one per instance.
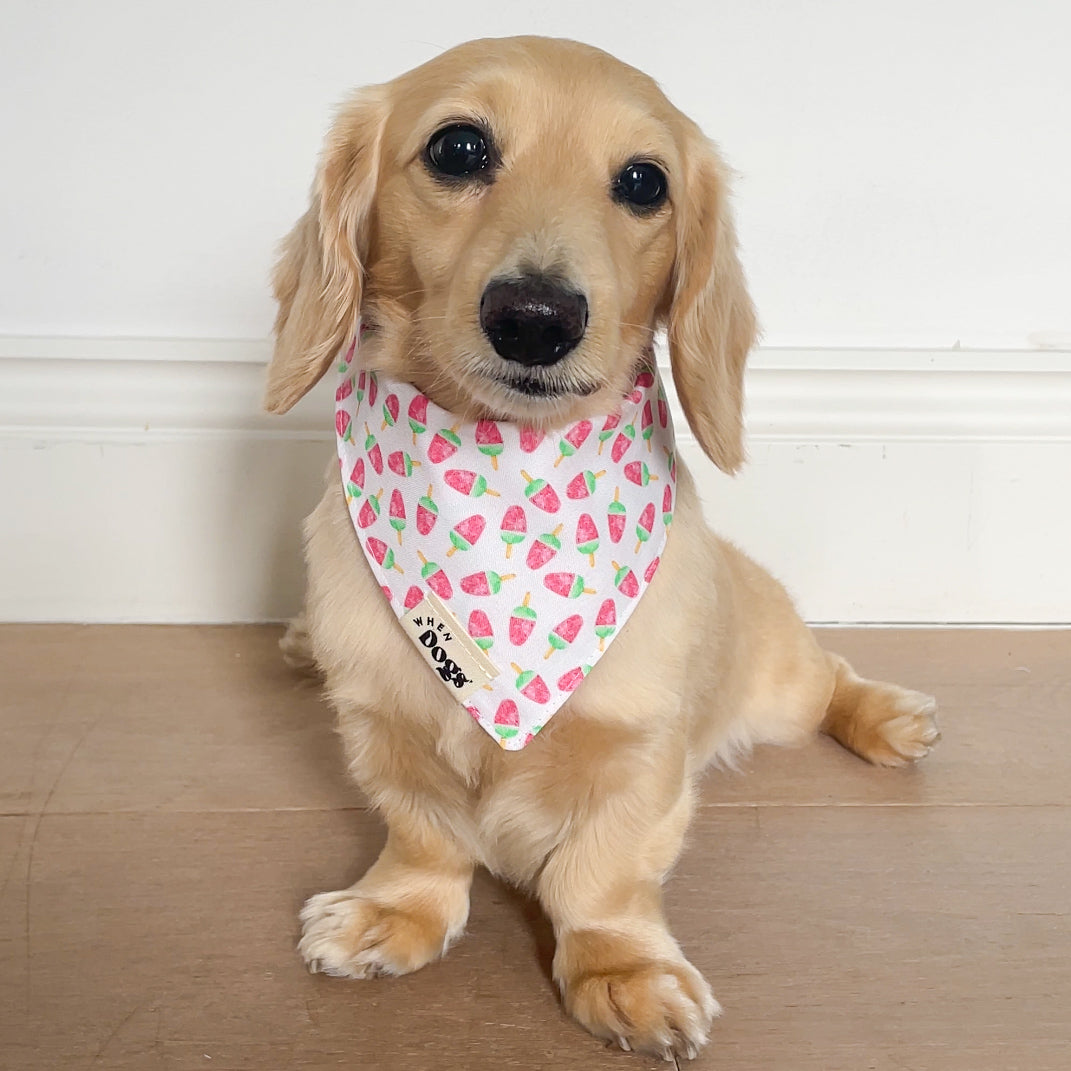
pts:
pixel 883 723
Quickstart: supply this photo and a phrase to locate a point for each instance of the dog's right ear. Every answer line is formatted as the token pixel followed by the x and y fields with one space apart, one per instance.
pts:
pixel 319 278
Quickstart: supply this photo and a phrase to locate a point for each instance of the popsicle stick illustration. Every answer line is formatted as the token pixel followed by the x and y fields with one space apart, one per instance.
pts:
pixel 480 630
pixel 583 484
pixel 606 622
pixel 427 512
pixel 469 483
pixel 401 463
pixel 435 578
pixel 418 416
pixel 383 554
pixel 390 411
pixel 541 494
pixel 608 429
pixel 573 440
pixel 521 622
pixel 544 548
pixel 625 580
pixel 615 517
pixel 489 441
pixel 638 473
pixel 371 448
pixel 514 528
pixel 563 634
pixel 645 525
pixel 465 534
pixel 444 444
pixel 486 583
pixel 396 513
pixel 370 510
pixel 587 537
pixel 568 585
pixel 530 684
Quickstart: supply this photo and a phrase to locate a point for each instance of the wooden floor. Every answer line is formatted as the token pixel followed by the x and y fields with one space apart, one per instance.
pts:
pixel 170 796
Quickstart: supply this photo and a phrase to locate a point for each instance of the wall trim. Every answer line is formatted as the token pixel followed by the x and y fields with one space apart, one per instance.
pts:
pixel 123 389
pixel 144 483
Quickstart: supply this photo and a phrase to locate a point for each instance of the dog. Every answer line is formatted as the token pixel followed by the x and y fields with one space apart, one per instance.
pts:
pixel 547 179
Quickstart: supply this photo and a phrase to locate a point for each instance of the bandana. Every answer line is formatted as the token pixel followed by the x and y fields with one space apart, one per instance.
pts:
pixel 511 557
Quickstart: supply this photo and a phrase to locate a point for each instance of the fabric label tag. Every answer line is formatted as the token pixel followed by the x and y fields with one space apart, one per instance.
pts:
pixel 447 647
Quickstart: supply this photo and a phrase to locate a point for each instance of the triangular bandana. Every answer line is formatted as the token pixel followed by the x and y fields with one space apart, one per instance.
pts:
pixel 511 557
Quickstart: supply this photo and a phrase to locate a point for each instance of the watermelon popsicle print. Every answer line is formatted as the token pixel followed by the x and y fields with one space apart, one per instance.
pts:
pixel 541 494
pixel 444 444
pixel 507 721
pixel 615 517
pixel 427 513
pixel 435 578
pixel 469 483
pixel 371 448
pixel 649 572
pixel 383 554
pixel 355 484
pixel 486 583
pixel 390 411
pixel 638 473
pixel 647 424
pixel 489 441
pixel 563 634
pixel 480 630
pixel 625 581
pixel 568 585
pixel 514 528
pixel 645 525
pixel 622 443
pixel 570 680
pixel 530 684
pixel 521 622
pixel 396 513
pixel 587 537
pixel 370 510
pixel 413 597
pixel 418 416
pixel 544 548
pixel 582 484
pixel 606 622
pixel 530 439
pixel 344 426
pixel 465 533
pixel 608 429
pixel 667 505
pixel 401 464
pixel 573 439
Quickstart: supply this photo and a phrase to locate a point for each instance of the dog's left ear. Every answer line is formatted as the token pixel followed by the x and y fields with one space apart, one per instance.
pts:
pixel 710 318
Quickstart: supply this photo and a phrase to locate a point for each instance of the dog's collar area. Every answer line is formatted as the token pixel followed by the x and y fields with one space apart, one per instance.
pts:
pixel 511 557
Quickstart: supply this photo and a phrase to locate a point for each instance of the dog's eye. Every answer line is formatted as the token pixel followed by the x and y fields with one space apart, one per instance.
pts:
pixel 642 185
pixel 458 151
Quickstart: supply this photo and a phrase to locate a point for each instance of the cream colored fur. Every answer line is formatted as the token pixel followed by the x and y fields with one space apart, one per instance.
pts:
pixel 591 816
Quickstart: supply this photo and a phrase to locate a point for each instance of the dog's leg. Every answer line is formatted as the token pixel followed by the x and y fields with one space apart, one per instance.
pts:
pixel 402 914
pixel 621 973
pixel 883 723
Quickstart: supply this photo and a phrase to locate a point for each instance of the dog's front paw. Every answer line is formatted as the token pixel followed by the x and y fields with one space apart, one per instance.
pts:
pixel 662 1008
pixel 349 935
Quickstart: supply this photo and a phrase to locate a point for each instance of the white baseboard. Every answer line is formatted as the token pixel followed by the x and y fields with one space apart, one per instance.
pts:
pixel 143 483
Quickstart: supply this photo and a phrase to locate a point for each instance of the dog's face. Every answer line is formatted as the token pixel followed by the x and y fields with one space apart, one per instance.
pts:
pixel 515 219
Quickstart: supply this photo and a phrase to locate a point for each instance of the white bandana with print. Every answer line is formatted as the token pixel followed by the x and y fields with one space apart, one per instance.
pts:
pixel 511 557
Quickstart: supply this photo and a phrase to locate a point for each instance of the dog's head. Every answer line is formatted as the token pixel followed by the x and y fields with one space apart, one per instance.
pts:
pixel 515 219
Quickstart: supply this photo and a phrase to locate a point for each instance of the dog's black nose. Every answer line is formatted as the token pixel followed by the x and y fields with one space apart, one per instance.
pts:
pixel 533 320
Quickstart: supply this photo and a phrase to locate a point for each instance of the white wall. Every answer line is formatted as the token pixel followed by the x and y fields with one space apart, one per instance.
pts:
pixel 904 164
pixel 903 207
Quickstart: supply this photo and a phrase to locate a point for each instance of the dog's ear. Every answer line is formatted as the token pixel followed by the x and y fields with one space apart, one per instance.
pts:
pixel 710 319
pixel 319 278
